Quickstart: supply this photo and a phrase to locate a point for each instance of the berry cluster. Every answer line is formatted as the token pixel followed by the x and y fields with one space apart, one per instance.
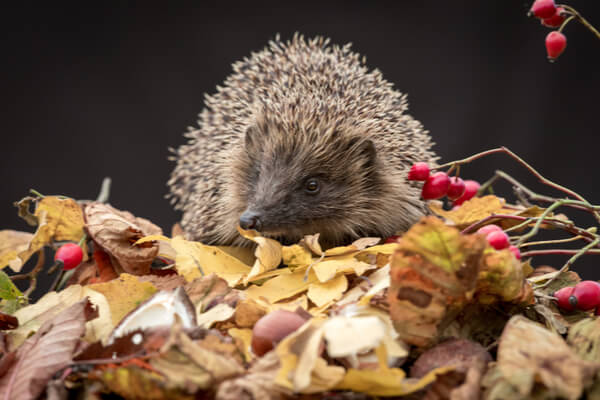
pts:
pixel 584 296
pixel 498 239
pixel 439 184
pixel 552 17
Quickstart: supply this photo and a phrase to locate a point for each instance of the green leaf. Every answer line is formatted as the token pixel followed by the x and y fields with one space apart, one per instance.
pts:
pixel 8 290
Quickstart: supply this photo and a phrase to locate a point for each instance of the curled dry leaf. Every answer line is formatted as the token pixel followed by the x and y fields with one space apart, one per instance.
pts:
pixel 502 278
pixel 116 231
pixel 162 309
pixel 13 243
pixel 46 352
pixel 533 361
pixel 268 253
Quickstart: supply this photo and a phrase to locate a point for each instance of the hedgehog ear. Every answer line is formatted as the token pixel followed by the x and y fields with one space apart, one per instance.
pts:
pixel 366 149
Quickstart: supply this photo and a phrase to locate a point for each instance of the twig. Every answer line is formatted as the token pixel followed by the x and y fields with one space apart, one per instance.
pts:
pixel 570 261
pixel 556 251
pixel 104 191
pixel 32 275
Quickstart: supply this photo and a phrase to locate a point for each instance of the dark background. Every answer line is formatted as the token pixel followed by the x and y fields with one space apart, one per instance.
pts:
pixel 103 90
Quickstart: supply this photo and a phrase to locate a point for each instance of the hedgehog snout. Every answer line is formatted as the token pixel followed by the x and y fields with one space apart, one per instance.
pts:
pixel 250 220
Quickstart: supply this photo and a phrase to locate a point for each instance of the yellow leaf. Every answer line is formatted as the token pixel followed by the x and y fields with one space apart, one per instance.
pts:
pixel 282 286
pixel 152 238
pixel 296 256
pixel 124 294
pixel 195 259
pixel 322 293
pixel 64 216
pixel 502 278
pixel 386 381
pixel 357 245
pixel 133 382
pixel 245 338
pixel 471 211
pixel 244 254
pixel 331 266
pixel 33 316
pixel 41 237
pixel 302 370
pixel 12 243
pixel 268 253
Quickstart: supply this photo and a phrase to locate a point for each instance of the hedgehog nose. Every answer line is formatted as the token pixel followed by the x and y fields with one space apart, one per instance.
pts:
pixel 250 220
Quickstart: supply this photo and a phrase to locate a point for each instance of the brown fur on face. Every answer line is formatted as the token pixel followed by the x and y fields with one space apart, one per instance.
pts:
pixel 295 111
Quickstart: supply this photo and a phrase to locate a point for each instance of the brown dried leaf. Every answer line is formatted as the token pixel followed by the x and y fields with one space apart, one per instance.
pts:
pixel 257 384
pixel 533 359
pixel 13 243
pixel 46 352
pixel 433 275
pixel 189 365
pixel 115 231
pixel 469 360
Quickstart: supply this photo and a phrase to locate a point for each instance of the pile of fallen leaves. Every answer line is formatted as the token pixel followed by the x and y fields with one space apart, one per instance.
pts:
pixel 439 314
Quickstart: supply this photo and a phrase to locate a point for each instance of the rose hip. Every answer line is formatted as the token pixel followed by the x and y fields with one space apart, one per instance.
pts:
pixel 515 250
pixel 418 172
pixel 556 20
pixel 485 230
pixel 498 240
pixel 562 298
pixel 471 188
pixel 543 8
pixel 556 43
pixel 70 254
pixel 436 186
pixel 456 188
pixel 586 295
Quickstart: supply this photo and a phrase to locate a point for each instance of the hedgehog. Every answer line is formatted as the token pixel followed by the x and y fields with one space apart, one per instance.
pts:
pixel 301 139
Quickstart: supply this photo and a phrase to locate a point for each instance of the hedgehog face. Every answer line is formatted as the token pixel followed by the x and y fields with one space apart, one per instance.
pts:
pixel 294 183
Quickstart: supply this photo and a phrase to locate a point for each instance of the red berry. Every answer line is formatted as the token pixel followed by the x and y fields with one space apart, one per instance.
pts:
pixel 485 230
pixel 70 254
pixel 471 188
pixel 586 295
pixel 562 297
pixel 392 239
pixel 597 312
pixel 436 186
pixel 498 240
pixel 556 43
pixel 556 20
pixel 272 328
pixel 515 250
pixel 543 8
pixel 456 188
pixel 418 172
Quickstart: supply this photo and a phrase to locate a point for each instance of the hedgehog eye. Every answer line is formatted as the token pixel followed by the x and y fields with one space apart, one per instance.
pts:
pixel 312 186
